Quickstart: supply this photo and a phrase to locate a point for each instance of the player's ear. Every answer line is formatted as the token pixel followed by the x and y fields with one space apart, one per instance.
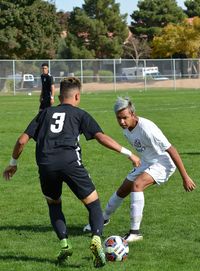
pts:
pixel 77 96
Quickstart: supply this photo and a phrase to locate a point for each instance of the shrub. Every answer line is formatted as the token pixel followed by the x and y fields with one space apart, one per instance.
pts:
pixel 106 76
pixel 8 85
pixel 87 75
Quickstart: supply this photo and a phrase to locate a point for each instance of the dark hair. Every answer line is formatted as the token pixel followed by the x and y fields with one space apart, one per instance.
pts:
pixel 68 84
pixel 45 64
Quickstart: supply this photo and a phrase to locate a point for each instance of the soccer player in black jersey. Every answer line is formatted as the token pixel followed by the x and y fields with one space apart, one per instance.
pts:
pixel 56 131
pixel 48 88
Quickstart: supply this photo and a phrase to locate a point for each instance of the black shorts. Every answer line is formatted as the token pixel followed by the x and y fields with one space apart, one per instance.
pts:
pixel 45 103
pixel 74 175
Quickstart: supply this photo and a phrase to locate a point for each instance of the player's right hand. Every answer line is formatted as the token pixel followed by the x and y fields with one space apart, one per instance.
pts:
pixel 9 172
pixel 135 159
pixel 188 184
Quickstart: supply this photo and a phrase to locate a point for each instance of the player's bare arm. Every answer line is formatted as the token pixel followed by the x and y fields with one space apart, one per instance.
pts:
pixel 188 183
pixel 17 150
pixel 110 143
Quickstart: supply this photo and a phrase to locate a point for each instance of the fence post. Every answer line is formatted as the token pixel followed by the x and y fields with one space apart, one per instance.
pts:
pixel 174 73
pixel 114 71
pixel 145 78
pixel 82 75
pixel 14 86
pixel 49 66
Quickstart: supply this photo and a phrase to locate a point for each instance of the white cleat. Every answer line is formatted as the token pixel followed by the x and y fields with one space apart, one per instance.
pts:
pixel 133 237
pixel 106 222
pixel 87 228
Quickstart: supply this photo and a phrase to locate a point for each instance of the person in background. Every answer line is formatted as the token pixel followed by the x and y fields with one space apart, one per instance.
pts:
pixel 56 131
pixel 48 88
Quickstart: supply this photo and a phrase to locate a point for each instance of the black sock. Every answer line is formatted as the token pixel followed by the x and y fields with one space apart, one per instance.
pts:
pixel 135 231
pixel 58 220
pixel 95 217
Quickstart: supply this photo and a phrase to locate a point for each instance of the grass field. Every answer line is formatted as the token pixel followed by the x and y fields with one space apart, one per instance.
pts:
pixel 170 225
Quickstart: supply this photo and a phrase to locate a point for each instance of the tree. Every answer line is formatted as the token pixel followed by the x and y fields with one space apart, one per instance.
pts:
pixel 97 30
pixel 28 29
pixel 136 48
pixel 182 39
pixel 193 8
pixel 153 15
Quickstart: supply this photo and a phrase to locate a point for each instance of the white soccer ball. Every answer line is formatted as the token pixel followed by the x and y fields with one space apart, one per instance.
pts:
pixel 116 248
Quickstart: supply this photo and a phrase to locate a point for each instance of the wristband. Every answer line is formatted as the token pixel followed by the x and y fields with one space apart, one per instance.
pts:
pixel 52 97
pixel 126 152
pixel 13 162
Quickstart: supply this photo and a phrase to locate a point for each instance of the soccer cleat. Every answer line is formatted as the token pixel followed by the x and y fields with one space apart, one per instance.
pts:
pixel 99 258
pixel 133 237
pixel 106 222
pixel 87 228
pixel 65 252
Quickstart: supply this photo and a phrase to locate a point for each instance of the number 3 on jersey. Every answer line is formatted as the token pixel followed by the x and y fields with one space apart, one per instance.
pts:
pixel 59 122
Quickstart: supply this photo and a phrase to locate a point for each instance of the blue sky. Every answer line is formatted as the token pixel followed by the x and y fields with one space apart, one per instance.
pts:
pixel 126 6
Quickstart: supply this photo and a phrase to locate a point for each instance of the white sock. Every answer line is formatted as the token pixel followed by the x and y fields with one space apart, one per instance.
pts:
pixel 113 203
pixel 137 206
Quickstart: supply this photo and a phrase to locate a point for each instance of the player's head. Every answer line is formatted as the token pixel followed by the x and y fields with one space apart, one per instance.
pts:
pixel 45 68
pixel 125 113
pixel 70 89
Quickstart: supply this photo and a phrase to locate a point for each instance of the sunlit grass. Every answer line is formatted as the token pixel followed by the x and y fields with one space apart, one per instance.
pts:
pixel 171 218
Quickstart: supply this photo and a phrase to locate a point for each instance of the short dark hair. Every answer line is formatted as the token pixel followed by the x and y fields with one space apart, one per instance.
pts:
pixel 68 84
pixel 45 64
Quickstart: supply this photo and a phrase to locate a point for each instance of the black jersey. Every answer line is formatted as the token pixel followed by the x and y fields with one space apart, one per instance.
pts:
pixel 56 132
pixel 47 81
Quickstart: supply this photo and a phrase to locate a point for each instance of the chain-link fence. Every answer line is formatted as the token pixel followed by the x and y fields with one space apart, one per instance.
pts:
pixel 102 74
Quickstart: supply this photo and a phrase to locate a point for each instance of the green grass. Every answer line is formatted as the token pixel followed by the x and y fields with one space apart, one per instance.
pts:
pixel 170 225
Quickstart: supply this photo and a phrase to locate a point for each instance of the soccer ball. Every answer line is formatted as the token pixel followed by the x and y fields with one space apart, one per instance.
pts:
pixel 116 248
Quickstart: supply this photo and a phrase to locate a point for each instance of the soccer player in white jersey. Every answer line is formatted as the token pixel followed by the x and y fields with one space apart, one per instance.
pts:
pixel 159 160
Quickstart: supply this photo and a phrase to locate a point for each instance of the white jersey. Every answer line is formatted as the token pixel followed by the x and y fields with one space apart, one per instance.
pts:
pixel 149 141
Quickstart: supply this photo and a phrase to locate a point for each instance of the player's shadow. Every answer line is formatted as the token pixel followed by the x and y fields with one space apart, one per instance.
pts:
pixel 34 259
pixel 25 258
pixel 73 230
pixel 189 153
pixel 30 229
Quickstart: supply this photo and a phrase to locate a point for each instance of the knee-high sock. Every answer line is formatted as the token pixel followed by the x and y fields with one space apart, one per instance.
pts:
pixel 95 217
pixel 136 210
pixel 58 220
pixel 113 203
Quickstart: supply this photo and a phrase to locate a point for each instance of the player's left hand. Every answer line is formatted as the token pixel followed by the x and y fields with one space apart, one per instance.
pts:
pixel 52 101
pixel 188 184
pixel 9 172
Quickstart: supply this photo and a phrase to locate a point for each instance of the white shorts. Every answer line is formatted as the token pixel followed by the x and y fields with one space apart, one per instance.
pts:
pixel 159 172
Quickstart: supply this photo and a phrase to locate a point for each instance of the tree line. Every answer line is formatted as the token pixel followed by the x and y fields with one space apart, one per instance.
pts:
pixel 34 29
